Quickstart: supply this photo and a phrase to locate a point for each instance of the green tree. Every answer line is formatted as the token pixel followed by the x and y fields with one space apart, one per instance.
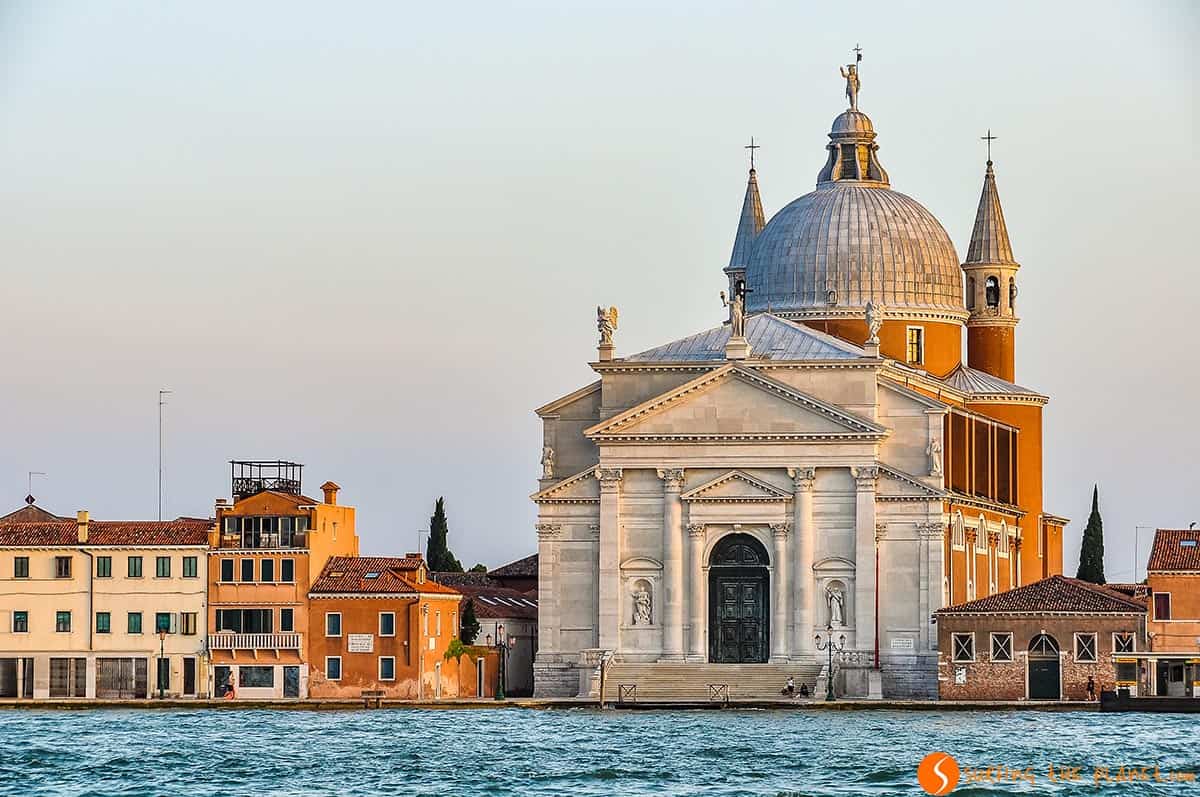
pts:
pixel 479 568
pixel 468 624
pixel 437 550
pixel 1091 552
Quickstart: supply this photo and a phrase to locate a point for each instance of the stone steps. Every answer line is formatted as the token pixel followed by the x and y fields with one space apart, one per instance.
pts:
pixel 689 683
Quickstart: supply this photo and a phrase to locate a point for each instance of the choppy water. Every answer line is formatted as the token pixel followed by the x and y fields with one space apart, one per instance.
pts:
pixel 578 752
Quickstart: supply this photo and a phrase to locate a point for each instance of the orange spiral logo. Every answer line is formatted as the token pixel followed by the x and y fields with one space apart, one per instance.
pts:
pixel 938 773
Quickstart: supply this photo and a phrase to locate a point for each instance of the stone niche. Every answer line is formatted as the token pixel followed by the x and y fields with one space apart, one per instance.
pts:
pixel 641 602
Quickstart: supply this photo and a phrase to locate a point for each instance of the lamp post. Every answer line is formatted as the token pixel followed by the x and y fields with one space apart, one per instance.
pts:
pixel 162 641
pixel 829 646
pixel 501 649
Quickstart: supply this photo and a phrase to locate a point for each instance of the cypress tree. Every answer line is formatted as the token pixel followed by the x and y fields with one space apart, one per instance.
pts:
pixel 1091 552
pixel 469 624
pixel 437 551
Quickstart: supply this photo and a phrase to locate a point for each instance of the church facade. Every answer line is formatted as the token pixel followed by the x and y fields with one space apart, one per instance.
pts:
pixel 824 464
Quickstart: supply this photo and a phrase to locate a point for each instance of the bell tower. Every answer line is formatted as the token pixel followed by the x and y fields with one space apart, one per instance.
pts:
pixel 991 286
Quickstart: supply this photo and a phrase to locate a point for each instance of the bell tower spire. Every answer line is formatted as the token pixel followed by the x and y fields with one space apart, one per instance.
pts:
pixel 750 224
pixel 991 284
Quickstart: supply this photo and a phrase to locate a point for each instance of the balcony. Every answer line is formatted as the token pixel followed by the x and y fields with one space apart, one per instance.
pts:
pixel 232 641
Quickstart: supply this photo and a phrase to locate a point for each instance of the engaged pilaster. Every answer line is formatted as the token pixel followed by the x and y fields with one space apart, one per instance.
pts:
pixel 804 545
pixel 609 610
pixel 696 537
pixel 549 615
pixel 864 556
pixel 672 543
pixel 782 598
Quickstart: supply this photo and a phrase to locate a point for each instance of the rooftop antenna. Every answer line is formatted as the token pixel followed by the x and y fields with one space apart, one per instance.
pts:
pixel 162 400
pixel 29 495
pixel 989 138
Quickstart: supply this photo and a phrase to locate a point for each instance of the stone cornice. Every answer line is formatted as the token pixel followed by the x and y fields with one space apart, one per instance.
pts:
pixel 551 495
pixel 767 492
pixel 548 531
pixel 947 315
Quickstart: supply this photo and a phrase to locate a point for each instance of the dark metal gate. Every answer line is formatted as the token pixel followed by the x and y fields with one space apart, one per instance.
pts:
pixel 120 679
pixel 739 625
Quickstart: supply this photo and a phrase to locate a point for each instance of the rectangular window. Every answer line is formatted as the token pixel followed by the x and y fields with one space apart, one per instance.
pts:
pixel 287 622
pixel 387 623
pixel 287 570
pixel 437 628
pixel 1002 645
pixel 963 646
pixel 135 622
pixel 191 567
pixel 187 623
pixel 333 624
pixel 103 567
pixel 333 668
pixel 20 622
pixel 256 677
pixel 162 567
pixel 62 567
pixel 62 622
pixel 1085 647
pixel 268 571
pixel 1127 672
pixel 247 570
pixel 20 567
pixel 226 571
pixel 135 567
pixel 244 621
pixel 68 677
pixel 103 623
pixel 916 345
pixel 1123 643
pixel 1162 606
pixel 162 622
pixel 387 668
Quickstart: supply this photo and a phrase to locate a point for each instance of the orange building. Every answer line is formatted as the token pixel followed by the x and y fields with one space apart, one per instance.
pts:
pixel 1171 665
pixel 266 546
pixel 380 625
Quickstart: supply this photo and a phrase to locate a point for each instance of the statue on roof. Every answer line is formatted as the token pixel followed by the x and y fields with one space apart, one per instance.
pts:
pixel 874 314
pixel 606 322
pixel 850 73
pixel 737 313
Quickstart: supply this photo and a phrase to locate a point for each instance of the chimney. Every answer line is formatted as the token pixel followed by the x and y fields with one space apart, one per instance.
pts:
pixel 331 490
pixel 81 525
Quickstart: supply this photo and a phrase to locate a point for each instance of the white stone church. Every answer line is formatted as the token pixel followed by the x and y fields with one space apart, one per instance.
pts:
pixel 742 495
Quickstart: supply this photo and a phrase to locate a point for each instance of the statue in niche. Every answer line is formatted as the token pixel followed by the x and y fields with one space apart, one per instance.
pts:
pixel 934 451
pixel 837 606
pixel 606 322
pixel 737 313
pixel 547 462
pixel 874 314
pixel 641 605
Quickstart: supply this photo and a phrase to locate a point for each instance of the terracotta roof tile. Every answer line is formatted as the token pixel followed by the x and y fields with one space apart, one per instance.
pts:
pixel 500 603
pixel 522 568
pixel 378 575
pixel 107 532
pixel 1175 549
pixel 31 513
pixel 1053 594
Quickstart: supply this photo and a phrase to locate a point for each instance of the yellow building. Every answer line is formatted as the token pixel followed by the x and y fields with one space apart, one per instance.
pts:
pixel 83 602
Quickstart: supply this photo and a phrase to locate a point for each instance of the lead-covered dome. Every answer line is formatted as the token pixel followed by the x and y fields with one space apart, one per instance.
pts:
pixel 852 240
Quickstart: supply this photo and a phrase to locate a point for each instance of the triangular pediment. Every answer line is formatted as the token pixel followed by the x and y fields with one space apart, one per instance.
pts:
pixel 583 487
pixel 736 403
pixel 896 485
pixel 736 486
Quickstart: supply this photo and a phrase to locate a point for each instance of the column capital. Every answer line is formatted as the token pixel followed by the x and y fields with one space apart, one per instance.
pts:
pixel 610 478
pixel 802 478
pixel 994 539
pixel 880 531
pixel 1016 544
pixel 548 531
pixel 697 530
pixel 969 536
pixel 865 476
pixel 672 478
pixel 932 530
pixel 781 530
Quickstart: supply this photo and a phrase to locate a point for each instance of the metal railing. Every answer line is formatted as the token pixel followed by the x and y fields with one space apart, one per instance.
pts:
pixel 229 641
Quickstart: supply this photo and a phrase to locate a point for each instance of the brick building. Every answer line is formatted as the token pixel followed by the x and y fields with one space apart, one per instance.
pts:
pixel 381 624
pixel 1041 641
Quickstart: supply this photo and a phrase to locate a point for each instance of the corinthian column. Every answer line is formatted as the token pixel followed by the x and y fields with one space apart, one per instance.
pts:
pixel 672 543
pixel 782 607
pixel 803 544
pixel 696 599
pixel 864 557
pixel 608 612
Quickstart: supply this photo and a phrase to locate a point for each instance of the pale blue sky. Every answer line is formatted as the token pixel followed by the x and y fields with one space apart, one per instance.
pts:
pixel 371 236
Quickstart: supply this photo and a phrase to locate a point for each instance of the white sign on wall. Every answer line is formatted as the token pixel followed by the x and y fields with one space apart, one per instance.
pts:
pixel 361 643
pixel 960 675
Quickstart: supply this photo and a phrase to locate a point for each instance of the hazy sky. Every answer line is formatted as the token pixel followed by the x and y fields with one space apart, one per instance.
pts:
pixel 371 237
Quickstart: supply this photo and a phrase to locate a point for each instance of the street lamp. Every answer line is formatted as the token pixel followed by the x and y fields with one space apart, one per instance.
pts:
pixel 501 649
pixel 830 646
pixel 162 641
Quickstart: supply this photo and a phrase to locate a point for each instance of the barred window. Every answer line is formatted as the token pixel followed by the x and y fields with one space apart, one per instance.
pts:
pixel 1002 645
pixel 963 646
pixel 1085 647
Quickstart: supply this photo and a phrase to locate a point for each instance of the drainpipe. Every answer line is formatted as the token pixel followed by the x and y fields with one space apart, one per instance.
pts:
pixel 81 536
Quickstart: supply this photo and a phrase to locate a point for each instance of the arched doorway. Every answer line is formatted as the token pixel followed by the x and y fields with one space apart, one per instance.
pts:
pixel 1044 681
pixel 738 616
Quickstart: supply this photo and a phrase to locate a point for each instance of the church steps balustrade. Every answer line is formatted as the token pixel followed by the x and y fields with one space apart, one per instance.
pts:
pixel 689 683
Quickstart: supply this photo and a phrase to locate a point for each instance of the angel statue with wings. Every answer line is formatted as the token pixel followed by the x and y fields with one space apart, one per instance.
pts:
pixel 606 322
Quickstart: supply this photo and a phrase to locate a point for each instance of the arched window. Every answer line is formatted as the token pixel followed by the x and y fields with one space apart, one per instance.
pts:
pixel 992 289
pixel 1043 646
pixel 970 293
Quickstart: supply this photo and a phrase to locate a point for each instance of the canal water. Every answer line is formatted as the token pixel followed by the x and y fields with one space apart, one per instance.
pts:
pixel 578 752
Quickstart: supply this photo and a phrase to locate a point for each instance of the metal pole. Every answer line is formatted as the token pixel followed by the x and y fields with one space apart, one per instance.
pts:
pixel 161 401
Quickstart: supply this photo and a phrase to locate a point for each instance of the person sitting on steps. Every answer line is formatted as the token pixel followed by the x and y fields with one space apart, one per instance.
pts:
pixel 803 690
pixel 789 689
